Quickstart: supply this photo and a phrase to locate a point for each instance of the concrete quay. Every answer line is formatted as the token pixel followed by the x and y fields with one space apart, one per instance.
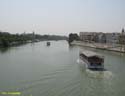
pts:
pixel 108 47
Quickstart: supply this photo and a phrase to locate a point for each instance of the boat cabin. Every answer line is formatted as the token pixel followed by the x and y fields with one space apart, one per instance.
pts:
pixel 93 60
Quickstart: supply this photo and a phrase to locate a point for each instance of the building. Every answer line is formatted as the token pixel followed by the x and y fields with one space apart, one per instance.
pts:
pixel 87 36
pixel 100 37
pixel 112 38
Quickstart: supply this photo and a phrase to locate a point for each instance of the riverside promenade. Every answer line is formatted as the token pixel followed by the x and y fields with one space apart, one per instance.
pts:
pixel 109 47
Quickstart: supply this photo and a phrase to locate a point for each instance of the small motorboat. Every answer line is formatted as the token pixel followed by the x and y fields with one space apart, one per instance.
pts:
pixel 48 43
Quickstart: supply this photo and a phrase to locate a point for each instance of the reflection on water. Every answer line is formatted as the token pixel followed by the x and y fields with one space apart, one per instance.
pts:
pixel 3 50
pixel 55 71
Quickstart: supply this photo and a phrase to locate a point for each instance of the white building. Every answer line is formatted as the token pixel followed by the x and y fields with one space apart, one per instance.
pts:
pixel 87 36
pixel 112 38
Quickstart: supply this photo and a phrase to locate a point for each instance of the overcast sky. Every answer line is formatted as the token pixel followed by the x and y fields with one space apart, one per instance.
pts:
pixel 61 16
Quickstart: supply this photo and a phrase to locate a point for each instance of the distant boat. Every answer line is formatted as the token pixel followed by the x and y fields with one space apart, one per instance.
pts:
pixel 92 61
pixel 48 43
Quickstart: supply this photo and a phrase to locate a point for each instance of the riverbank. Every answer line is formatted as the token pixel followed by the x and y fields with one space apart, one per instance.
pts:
pixel 108 47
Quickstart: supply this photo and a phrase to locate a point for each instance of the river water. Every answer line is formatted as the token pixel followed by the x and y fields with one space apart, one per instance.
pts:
pixel 40 70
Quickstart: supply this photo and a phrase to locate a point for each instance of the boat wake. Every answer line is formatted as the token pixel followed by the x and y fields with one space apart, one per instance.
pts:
pixel 99 74
pixel 79 61
pixel 96 74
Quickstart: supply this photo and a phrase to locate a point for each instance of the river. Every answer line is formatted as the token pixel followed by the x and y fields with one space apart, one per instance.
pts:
pixel 35 69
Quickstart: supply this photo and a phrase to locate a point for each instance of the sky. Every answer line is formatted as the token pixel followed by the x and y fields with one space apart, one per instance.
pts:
pixel 62 17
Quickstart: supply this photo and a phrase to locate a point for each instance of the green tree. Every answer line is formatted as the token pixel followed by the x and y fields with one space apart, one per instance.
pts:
pixel 73 37
pixel 4 42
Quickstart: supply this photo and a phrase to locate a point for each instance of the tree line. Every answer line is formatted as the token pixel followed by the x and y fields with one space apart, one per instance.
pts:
pixel 8 39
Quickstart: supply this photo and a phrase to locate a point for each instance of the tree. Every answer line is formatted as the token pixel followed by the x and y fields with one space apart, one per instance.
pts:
pixel 4 42
pixel 73 37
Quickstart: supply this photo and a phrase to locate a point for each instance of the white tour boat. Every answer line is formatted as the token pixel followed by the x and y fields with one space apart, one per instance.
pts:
pixel 92 60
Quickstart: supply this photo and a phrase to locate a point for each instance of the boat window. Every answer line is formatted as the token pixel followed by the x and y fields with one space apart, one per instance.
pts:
pixel 95 60
pixel 83 56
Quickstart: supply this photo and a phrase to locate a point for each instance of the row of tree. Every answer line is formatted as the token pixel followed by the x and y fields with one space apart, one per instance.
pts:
pixel 8 39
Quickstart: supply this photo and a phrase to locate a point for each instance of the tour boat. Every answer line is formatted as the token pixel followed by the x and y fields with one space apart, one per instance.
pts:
pixel 92 60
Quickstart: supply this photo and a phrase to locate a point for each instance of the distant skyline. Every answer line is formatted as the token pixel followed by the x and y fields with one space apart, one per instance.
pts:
pixel 62 17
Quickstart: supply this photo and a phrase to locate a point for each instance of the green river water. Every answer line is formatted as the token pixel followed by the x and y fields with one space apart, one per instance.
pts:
pixel 55 70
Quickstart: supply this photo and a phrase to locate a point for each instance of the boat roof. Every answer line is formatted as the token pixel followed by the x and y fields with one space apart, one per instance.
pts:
pixel 91 54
